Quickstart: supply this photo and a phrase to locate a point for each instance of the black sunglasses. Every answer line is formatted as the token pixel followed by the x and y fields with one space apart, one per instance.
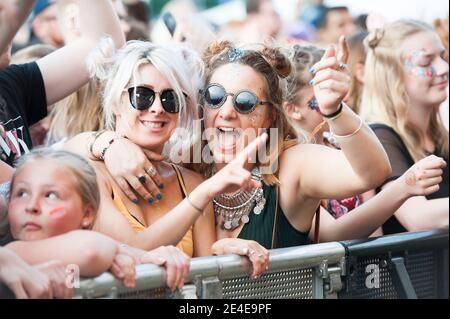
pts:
pixel 243 101
pixel 142 98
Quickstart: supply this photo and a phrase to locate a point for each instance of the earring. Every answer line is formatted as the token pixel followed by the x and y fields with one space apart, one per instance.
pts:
pixel 85 224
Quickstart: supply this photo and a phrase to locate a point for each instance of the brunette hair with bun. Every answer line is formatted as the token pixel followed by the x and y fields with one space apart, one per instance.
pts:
pixel 274 66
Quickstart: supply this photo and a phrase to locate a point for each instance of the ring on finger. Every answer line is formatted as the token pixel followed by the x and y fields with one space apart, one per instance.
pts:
pixel 142 179
pixel 151 171
pixel 342 66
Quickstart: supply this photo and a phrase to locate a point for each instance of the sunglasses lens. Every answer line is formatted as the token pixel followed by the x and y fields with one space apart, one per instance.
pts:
pixel 245 102
pixel 214 96
pixel 141 98
pixel 169 101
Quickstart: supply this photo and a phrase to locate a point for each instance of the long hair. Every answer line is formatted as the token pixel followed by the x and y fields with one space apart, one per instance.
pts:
pixel 274 66
pixel 357 56
pixel 79 112
pixel 384 96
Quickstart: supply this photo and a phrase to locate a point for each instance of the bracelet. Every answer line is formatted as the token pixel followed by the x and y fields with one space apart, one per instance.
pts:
pixel 335 115
pixel 193 205
pixel 111 141
pixel 95 136
pixel 361 122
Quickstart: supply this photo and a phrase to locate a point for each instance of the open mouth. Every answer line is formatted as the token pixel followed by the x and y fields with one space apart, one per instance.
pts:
pixel 227 138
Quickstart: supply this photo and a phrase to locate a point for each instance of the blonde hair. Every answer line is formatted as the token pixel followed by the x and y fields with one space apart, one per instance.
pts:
pixel 384 96
pixel 274 65
pixel 79 112
pixel 357 56
pixel 31 53
pixel 85 178
pixel 181 67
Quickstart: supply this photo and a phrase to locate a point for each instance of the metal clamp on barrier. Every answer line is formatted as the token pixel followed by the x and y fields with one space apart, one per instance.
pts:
pixel 409 265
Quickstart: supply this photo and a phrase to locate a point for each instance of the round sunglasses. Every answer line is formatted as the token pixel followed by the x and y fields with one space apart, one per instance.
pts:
pixel 142 98
pixel 244 101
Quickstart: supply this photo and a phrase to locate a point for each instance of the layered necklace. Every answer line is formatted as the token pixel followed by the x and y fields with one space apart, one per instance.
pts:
pixel 235 209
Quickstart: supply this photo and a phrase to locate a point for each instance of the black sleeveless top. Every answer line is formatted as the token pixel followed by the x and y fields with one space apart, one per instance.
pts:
pixel 401 160
pixel 260 228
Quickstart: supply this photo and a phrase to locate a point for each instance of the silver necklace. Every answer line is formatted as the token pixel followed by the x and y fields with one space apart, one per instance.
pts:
pixel 235 209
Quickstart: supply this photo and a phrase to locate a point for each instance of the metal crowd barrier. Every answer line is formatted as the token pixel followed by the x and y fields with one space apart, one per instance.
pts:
pixel 409 265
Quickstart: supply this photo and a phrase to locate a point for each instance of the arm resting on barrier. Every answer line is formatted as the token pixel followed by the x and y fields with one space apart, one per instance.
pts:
pixel 419 213
pixel 92 252
pixel 422 178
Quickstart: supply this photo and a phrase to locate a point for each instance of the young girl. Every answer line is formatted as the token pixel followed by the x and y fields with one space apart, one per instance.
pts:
pixel 53 203
pixel 406 81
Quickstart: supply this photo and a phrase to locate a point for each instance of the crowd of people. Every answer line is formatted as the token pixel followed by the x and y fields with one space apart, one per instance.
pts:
pixel 124 142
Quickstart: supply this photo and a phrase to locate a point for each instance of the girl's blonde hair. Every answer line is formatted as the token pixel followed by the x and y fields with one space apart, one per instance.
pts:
pixel 274 65
pixel 79 112
pixel 384 96
pixel 85 178
pixel 181 66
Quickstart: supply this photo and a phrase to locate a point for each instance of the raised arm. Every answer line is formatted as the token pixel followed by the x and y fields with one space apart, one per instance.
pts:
pixel 362 163
pixel 64 71
pixel 365 219
pixel 13 14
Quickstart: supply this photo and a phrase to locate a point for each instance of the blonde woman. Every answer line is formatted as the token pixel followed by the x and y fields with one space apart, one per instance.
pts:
pixel 406 81
pixel 150 90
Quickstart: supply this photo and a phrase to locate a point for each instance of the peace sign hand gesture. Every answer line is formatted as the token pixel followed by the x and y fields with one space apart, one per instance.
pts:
pixel 332 78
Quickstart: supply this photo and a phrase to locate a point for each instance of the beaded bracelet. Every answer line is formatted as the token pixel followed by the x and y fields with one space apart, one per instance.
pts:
pixel 111 141
pixel 94 136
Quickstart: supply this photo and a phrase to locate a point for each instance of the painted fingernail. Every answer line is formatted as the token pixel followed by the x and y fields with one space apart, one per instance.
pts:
pixel 161 186
pixel 150 200
pixel 136 201
pixel 311 83
pixel 159 197
pixel 312 70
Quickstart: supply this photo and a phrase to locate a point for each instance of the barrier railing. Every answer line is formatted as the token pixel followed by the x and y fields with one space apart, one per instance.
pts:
pixel 297 272
pixel 410 265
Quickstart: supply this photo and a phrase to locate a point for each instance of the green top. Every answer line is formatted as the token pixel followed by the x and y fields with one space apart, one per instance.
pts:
pixel 260 227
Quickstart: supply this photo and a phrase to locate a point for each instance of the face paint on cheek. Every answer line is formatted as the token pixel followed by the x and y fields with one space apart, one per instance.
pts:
pixel 419 71
pixel 57 212
pixel 255 118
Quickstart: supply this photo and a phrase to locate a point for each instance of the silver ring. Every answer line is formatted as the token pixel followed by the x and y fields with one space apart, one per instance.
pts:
pixel 342 66
pixel 142 179
pixel 151 171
